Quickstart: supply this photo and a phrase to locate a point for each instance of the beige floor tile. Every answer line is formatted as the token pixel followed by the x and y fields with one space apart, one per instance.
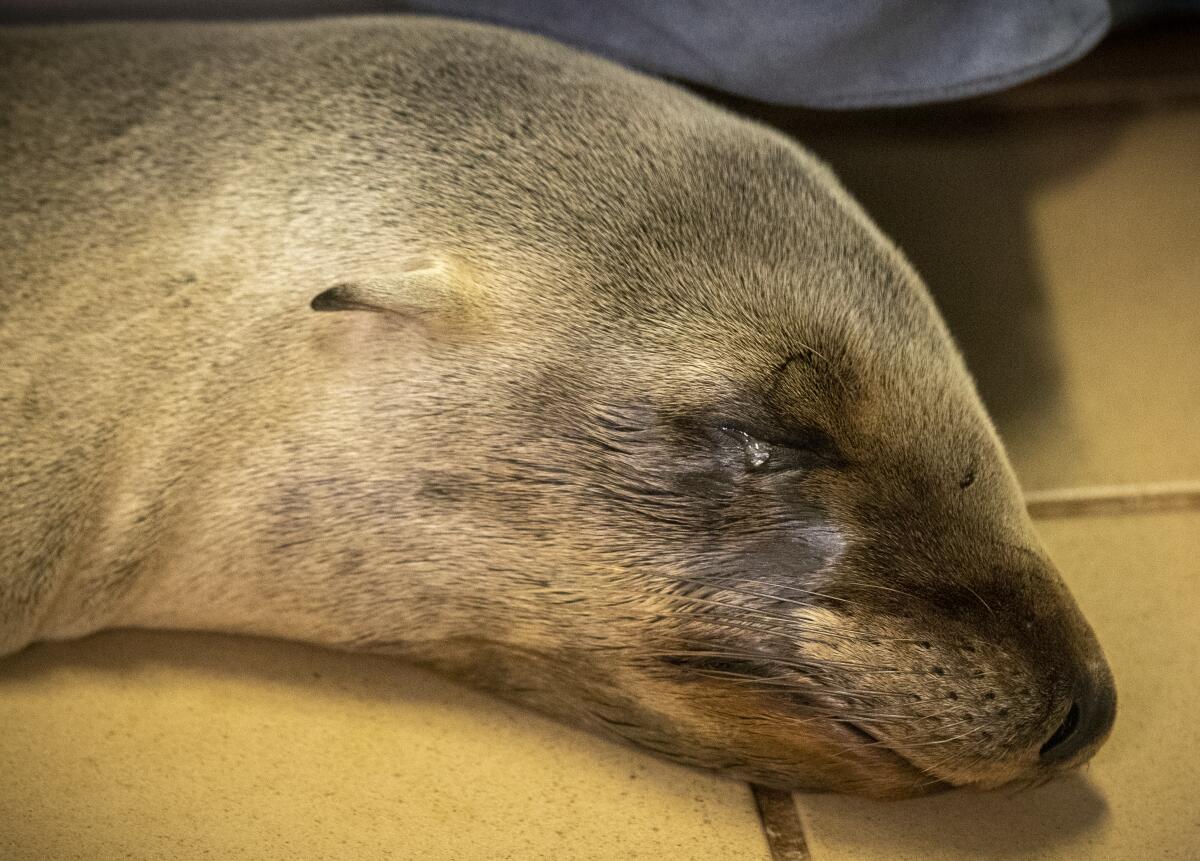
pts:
pixel 1138 581
pixel 1064 250
pixel 186 746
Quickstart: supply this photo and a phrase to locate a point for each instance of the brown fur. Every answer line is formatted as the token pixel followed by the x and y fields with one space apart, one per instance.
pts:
pixel 517 451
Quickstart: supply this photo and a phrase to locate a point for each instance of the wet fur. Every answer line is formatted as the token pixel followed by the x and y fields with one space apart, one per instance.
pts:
pixel 545 493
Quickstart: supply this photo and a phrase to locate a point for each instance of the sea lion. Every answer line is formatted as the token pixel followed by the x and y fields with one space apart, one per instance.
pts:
pixel 444 341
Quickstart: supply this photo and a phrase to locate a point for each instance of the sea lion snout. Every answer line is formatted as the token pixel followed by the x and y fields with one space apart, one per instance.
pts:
pixel 996 680
pixel 1076 683
pixel 968 659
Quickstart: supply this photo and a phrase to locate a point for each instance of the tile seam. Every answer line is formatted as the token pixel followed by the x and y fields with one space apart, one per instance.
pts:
pixel 1114 499
pixel 780 819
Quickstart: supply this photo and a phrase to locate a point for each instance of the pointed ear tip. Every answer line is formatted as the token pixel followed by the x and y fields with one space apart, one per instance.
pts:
pixel 416 295
pixel 327 300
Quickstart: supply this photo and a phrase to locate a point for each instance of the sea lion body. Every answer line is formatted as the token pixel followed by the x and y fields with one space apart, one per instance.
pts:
pixel 626 411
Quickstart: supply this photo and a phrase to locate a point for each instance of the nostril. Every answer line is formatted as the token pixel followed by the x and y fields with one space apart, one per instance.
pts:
pixel 1064 732
pixel 1087 722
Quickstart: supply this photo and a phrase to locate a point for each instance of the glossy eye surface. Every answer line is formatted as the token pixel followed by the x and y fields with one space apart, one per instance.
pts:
pixel 801 449
pixel 757 452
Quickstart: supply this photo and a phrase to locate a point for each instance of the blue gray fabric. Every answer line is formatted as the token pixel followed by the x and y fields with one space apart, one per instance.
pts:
pixel 817 53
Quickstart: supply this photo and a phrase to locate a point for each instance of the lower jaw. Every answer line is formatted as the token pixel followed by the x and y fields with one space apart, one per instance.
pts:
pixel 908 780
pixel 999 777
pixel 912 779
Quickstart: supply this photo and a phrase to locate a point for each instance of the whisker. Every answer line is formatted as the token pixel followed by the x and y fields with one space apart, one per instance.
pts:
pixel 725 587
pixel 769 614
pixel 797 589
pixel 862 585
pixel 791 621
pixel 958 737
pixel 977 595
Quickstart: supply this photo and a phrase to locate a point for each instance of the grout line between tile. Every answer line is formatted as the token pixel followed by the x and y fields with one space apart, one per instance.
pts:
pixel 1117 499
pixel 781 823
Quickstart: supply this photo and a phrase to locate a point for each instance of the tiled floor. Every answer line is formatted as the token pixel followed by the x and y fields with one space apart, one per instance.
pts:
pixel 176 746
pixel 1063 247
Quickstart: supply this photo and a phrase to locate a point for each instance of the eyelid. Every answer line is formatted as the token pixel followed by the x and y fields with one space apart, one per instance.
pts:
pixel 805 439
pixel 813 440
pixel 809 441
pixel 758 452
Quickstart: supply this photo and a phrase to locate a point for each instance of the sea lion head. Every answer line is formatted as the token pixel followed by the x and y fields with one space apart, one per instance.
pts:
pixel 724 486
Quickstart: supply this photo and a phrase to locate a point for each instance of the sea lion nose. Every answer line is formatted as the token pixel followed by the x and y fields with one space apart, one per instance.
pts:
pixel 1088 721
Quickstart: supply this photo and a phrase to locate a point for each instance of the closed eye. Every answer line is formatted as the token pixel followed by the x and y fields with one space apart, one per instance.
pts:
pixel 807 449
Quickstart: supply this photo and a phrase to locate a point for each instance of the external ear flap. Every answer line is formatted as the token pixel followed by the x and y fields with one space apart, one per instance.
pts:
pixel 424 288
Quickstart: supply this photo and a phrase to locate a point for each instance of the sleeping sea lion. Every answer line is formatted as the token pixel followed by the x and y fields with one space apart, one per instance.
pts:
pixel 445 341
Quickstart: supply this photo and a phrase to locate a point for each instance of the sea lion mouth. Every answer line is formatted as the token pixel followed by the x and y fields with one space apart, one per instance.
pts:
pixel 877 751
pixel 880 768
pixel 859 759
pixel 905 776
pixel 866 737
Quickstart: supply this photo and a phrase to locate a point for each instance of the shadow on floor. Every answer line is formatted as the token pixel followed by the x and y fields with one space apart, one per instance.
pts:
pixel 955 187
pixel 992 825
pixel 955 195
